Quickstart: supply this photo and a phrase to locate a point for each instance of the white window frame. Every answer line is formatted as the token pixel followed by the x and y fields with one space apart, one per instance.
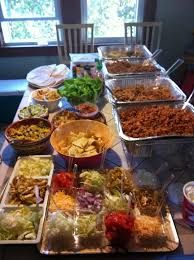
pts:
pixel 111 40
pixel 2 19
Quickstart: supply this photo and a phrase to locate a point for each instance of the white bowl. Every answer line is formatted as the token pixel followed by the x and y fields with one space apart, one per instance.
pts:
pixel 52 105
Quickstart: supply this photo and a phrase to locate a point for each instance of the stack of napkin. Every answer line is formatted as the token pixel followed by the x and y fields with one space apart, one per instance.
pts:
pixel 48 76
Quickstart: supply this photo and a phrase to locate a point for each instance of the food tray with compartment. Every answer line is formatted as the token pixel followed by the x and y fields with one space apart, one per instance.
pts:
pixel 126 138
pixel 123 51
pixel 155 85
pixel 39 228
pixel 95 242
pixel 47 176
pixel 127 68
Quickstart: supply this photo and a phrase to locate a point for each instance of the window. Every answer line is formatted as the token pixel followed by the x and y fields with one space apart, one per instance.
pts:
pixel 109 17
pixel 28 22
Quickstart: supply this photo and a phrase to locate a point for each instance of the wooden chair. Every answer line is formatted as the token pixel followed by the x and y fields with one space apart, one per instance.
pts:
pixel 74 38
pixel 147 33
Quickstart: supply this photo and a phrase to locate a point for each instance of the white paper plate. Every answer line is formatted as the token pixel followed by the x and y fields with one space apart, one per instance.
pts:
pixel 48 76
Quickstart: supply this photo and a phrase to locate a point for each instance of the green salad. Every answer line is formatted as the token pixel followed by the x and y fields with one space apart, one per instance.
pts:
pixel 19 224
pixel 80 90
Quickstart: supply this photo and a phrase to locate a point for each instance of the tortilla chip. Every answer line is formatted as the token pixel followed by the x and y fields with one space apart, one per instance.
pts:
pixel 81 142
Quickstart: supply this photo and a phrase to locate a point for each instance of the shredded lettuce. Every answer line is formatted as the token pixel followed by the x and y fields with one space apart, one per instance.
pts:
pixel 32 166
pixel 87 225
pixel 92 180
pixel 59 224
pixel 19 224
pixel 116 202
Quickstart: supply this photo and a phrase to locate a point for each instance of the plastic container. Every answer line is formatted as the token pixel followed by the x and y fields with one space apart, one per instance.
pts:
pixel 188 203
pixel 87 110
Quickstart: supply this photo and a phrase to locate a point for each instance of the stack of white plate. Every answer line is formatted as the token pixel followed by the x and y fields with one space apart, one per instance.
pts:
pixel 48 76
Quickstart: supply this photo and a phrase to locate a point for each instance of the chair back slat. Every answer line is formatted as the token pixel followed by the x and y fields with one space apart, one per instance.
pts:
pixel 74 38
pixel 159 37
pixel 140 39
pixel 92 39
pixel 70 43
pixel 86 40
pixel 147 36
pixel 136 33
pixel 147 33
pixel 81 41
pixel 59 47
pixel 131 35
pixel 152 37
pixel 64 46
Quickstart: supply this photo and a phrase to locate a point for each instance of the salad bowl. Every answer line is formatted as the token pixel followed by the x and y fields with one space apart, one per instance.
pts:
pixel 98 134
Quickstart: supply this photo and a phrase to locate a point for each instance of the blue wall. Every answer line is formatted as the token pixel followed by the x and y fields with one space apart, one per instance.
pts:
pixel 178 22
pixel 18 67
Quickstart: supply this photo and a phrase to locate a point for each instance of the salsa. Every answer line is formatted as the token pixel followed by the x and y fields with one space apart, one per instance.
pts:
pixel 119 227
pixel 87 109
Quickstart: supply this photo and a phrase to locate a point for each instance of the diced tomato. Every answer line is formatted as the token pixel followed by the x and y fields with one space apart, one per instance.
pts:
pixel 119 227
pixel 63 180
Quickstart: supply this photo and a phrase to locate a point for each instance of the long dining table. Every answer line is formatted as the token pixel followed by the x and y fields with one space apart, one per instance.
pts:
pixel 116 156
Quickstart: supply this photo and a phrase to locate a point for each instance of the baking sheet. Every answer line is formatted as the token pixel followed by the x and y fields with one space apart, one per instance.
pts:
pixel 148 83
pixel 160 71
pixel 172 243
pixel 71 243
pixel 123 51
pixel 42 207
pixel 150 138
pixel 5 198
pixel 39 231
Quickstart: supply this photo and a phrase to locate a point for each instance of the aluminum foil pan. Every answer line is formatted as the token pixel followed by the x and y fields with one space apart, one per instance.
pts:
pixel 150 138
pixel 159 69
pixel 123 51
pixel 150 83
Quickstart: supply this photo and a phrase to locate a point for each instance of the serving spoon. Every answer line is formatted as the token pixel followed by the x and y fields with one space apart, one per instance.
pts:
pixel 174 66
pixel 152 57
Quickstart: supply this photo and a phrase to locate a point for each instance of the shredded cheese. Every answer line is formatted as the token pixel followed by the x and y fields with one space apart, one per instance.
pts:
pixel 61 201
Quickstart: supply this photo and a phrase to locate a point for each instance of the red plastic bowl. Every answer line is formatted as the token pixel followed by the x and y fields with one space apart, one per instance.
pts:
pixel 82 126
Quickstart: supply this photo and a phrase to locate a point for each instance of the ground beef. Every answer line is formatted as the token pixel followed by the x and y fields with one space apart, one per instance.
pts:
pixel 160 120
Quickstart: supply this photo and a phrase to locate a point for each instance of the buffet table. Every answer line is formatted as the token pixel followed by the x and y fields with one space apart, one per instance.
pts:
pixel 117 156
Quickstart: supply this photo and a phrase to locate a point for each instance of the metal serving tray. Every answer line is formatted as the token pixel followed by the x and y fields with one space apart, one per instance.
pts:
pixel 160 70
pixel 150 138
pixel 73 244
pixel 148 83
pixel 42 207
pixel 123 51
